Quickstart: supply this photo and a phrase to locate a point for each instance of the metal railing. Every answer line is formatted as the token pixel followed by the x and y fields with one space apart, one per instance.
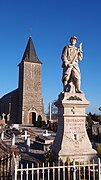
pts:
pixel 60 171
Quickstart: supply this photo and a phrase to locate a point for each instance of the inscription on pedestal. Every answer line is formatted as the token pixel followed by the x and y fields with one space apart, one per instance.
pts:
pixel 74 129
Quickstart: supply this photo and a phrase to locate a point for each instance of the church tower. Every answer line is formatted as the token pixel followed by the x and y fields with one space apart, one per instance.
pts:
pixel 30 102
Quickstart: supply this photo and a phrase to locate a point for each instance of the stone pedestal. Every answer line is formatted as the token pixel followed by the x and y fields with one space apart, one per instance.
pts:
pixel 71 140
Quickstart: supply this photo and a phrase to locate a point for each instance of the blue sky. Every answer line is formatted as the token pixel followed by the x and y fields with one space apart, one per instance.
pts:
pixel 52 23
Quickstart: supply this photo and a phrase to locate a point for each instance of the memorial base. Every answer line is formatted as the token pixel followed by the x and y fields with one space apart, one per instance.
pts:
pixel 71 141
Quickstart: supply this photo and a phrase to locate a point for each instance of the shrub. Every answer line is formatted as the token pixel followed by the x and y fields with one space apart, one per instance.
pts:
pixel 99 150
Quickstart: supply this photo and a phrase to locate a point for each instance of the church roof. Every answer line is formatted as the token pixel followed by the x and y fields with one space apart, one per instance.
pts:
pixel 30 53
pixel 9 95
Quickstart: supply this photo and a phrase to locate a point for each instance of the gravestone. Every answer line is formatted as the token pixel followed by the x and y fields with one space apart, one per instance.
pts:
pixel 71 141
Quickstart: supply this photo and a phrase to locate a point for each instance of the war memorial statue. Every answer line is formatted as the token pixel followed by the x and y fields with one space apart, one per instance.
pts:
pixel 71 72
pixel 71 139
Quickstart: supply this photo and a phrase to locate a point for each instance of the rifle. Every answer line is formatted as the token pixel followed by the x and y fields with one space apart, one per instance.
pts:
pixel 70 64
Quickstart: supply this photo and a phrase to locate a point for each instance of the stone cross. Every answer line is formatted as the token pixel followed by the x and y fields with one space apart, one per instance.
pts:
pixel 3 116
pixel 46 133
pixel 25 135
pixel 27 140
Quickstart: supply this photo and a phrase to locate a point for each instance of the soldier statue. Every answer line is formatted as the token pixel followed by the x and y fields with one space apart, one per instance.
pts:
pixel 71 72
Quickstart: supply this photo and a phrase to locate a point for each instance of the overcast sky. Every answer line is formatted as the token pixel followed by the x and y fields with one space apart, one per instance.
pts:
pixel 51 24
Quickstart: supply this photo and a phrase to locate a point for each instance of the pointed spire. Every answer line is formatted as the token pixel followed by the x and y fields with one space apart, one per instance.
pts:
pixel 30 53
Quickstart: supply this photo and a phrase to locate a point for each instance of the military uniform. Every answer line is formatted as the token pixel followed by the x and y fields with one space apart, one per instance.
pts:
pixel 71 72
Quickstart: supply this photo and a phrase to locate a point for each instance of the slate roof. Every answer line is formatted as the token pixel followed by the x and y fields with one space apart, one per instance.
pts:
pixel 9 95
pixel 30 53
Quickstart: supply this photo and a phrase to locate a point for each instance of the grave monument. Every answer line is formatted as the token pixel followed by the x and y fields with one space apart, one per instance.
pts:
pixel 71 139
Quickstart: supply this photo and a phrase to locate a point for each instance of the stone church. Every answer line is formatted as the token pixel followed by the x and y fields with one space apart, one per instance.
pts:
pixel 24 105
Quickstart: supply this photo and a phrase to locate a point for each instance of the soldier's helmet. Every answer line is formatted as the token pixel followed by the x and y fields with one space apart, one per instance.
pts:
pixel 73 37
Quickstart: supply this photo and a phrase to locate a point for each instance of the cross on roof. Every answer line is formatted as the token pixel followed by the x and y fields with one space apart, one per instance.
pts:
pixel 30 30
